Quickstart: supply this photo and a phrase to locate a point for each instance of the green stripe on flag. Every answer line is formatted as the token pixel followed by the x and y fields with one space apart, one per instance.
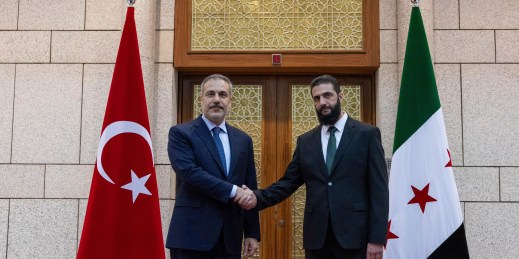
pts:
pixel 418 93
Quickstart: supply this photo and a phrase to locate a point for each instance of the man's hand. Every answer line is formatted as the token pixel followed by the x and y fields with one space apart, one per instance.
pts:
pixel 250 246
pixel 374 251
pixel 245 198
pixel 242 193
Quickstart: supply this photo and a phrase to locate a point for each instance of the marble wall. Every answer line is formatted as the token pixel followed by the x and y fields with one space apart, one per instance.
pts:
pixel 475 48
pixel 56 64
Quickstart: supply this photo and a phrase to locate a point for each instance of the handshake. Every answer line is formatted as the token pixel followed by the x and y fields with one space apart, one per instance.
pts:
pixel 245 198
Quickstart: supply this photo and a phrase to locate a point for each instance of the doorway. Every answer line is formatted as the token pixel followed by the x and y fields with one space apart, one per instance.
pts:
pixel 274 110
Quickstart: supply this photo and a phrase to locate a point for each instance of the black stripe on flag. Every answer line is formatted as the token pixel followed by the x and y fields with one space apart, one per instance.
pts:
pixel 454 247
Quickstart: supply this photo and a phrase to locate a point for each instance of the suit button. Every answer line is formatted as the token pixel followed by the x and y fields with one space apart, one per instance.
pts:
pixel 330 184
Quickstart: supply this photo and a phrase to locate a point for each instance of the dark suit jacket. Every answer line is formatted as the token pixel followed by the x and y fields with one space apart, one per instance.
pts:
pixel 203 209
pixel 354 196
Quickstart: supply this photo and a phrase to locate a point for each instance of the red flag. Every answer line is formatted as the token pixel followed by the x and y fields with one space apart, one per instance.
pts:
pixel 123 215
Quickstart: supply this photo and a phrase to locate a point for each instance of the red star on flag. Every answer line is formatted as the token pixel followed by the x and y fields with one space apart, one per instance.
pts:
pixel 421 197
pixel 389 235
pixel 449 164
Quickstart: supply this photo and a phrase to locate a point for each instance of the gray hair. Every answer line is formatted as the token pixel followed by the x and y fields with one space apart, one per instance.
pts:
pixel 217 77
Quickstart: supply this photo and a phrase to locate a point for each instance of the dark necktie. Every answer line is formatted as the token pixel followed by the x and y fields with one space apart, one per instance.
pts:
pixel 330 150
pixel 219 146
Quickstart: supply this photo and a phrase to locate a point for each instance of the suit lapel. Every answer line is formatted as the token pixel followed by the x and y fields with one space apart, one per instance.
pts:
pixel 203 132
pixel 347 135
pixel 316 146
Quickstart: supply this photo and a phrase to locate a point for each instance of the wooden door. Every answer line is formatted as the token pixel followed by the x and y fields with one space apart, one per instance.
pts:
pixel 274 110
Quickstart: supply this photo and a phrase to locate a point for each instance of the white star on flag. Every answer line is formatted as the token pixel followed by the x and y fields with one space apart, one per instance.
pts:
pixel 137 185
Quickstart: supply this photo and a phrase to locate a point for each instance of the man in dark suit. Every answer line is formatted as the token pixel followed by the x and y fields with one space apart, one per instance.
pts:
pixel 342 164
pixel 212 161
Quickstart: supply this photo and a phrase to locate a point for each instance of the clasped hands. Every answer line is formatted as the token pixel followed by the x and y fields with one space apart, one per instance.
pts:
pixel 245 198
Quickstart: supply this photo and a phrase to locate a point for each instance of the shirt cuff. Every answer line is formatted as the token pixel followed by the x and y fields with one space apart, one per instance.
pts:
pixel 233 191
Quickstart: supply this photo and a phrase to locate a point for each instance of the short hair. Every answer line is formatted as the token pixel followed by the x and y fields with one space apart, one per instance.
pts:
pixel 217 77
pixel 326 79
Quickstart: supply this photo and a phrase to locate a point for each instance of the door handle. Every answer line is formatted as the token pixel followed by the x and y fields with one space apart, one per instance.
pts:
pixel 281 223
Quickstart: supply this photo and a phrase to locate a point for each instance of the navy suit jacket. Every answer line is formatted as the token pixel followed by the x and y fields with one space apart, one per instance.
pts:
pixel 354 197
pixel 203 210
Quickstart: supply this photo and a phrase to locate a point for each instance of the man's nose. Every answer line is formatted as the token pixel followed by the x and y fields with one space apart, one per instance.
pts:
pixel 322 101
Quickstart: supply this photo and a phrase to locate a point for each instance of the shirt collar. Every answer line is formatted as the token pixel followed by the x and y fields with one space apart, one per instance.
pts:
pixel 210 125
pixel 339 124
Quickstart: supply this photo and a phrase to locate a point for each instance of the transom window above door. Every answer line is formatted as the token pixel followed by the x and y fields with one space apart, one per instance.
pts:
pixel 307 36
pixel 276 25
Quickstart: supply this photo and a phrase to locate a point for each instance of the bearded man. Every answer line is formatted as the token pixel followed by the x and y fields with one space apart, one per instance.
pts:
pixel 342 164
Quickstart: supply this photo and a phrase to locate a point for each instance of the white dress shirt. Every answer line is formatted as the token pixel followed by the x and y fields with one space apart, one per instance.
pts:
pixel 224 137
pixel 325 135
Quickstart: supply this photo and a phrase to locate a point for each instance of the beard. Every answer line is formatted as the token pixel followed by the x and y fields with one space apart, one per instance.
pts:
pixel 332 117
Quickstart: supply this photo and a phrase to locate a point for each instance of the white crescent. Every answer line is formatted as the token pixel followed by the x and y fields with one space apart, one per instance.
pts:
pixel 113 130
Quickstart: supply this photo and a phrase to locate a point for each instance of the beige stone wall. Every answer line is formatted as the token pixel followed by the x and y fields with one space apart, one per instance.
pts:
pixel 56 63
pixel 475 48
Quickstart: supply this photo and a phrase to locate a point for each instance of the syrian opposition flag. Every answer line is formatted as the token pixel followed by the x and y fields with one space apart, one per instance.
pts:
pixel 425 219
pixel 123 215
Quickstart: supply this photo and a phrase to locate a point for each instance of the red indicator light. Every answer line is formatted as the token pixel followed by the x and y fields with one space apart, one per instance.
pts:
pixel 276 59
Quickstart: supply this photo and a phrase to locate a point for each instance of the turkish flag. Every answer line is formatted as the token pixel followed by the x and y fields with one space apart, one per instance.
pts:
pixel 123 215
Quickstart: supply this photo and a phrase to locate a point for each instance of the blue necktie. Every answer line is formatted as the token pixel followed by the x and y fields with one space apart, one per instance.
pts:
pixel 330 150
pixel 219 146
